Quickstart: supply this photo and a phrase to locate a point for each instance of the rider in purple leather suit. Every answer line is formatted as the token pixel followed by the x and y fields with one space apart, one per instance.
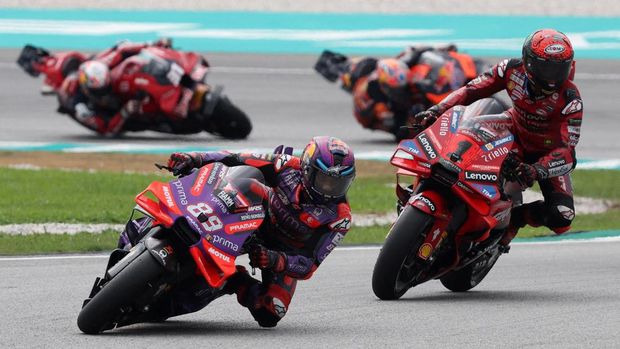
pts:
pixel 308 216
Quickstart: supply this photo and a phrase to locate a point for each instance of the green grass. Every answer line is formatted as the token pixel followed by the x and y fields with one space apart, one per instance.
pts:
pixel 68 197
pixel 57 243
pixel 28 196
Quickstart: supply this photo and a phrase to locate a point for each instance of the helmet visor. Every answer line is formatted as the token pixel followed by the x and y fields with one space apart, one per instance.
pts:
pixel 550 72
pixel 332 186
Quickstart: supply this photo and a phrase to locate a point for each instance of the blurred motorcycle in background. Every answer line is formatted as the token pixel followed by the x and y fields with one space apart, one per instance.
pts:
pixel 169 86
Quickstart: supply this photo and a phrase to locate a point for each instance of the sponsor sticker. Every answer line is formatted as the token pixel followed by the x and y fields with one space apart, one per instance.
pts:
pixel 201 180
pixel 574 106
pixel 218 254
pixel 427 147
pixel 240 227
pixel 425 251
pixel 481 176
pixel 555 49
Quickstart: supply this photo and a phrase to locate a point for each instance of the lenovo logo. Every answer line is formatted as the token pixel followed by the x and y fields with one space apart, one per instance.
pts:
pixel 480 176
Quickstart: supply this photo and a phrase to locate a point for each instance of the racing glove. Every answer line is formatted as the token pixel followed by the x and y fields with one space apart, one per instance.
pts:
pixel 183 163
pixel 515 170
pixel 266 259
pixel 426 118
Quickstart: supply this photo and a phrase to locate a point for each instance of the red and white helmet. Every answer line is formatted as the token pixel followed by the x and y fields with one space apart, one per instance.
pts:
pixel 548 58
pixel 94 78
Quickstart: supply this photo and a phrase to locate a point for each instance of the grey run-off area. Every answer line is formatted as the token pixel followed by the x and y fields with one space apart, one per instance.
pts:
pixel 540 296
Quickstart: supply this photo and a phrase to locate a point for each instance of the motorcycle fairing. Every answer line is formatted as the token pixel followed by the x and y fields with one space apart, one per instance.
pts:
pixel 223 228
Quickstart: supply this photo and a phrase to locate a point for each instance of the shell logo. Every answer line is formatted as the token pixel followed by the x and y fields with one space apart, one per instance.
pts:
pixel 425 251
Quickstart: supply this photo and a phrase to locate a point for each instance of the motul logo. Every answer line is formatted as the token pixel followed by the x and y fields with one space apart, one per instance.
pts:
pixel 219 254
pixel 480 176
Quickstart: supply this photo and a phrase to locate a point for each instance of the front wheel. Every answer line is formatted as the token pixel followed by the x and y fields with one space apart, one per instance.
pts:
pixel 108 305
pixel 229 121
pixel 470 276
pixel 397 268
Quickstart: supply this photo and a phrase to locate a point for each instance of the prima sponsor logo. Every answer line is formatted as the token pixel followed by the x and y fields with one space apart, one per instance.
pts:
pixel 494 154
pixel 168 196
pixel 481 176
pixel 219 204
pixel 200 181
pixel 242 226
pixel 225 242
pixel 428 148
pixel 218 254
pixel 180 192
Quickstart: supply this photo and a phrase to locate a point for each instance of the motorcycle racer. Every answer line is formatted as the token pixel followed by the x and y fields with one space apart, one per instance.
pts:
pixel 546 121
pixel 387 91
pixel 308 216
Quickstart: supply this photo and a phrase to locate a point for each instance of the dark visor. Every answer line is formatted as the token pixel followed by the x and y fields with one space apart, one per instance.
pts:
pixel 331 186
pixel 550 71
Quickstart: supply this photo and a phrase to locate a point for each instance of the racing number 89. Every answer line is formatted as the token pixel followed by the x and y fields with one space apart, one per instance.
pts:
pixel 212 223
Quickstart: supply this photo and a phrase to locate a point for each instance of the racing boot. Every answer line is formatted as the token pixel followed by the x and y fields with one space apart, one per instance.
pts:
pixel 531 214
pixel 239 283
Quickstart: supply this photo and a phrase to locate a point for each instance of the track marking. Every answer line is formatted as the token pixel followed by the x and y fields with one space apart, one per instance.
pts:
pixel 341 249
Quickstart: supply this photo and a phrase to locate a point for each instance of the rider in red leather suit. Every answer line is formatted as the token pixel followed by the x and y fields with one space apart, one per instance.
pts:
pixel 546 121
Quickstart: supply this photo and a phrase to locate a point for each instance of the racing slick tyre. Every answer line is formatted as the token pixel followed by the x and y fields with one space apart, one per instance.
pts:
pixel 471 275
pixel 107 306
pixel 229 121
pixel 397 267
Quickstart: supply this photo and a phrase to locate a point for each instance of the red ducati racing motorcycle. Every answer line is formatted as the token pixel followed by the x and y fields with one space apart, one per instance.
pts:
pixel 454 204
pixel 176 78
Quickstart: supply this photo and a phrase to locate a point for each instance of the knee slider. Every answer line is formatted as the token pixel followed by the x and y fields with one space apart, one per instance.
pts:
pixel 560 218
pixel 269 313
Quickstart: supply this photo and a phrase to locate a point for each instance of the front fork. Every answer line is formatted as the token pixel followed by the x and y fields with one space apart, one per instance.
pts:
pixel 434 204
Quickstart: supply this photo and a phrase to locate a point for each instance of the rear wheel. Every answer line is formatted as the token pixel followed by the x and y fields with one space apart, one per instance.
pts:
pixel 108 305
pixel 398 268
pixel 470 276
pixel 229 121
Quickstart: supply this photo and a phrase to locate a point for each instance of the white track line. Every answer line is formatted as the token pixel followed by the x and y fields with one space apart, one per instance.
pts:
pixel 341 249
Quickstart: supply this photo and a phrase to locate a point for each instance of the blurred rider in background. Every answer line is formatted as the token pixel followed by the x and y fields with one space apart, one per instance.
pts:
pixel 388 91
pixel 88 95
pixel 546 116
pixel 308 216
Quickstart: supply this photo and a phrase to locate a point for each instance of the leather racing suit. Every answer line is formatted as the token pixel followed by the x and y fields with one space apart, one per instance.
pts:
pixel 305 232
pixel 434 73
pixel 546 129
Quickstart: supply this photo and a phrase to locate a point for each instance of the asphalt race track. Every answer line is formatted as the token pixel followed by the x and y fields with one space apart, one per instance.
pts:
pixel 546 295
pixel 288 104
